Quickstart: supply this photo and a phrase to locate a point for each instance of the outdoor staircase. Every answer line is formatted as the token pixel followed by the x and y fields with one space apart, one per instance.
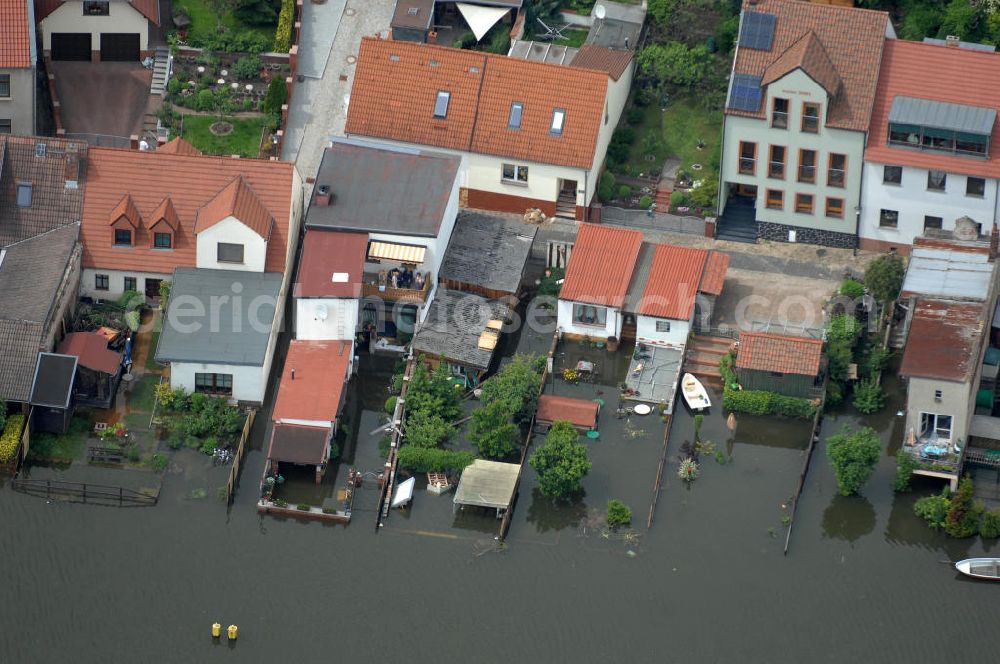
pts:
pixel 161 70
pixel 739 221
pixel 702 355
pixel 566 205
pixel 662 199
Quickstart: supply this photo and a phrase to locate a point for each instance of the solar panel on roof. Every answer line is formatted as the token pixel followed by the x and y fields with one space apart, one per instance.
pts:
pixel 757 30
pixel 745 93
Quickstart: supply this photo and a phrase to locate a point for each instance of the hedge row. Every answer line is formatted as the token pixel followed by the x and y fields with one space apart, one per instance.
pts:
pixel 429 459
pixel 11 437
pixel 762 402
pixel 283 35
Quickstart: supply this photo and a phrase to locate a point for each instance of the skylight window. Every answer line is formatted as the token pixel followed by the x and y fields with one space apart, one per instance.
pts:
pixel 441 104
pixel 514 121
pixel 23 194
pixel 413 11
pixel 558 119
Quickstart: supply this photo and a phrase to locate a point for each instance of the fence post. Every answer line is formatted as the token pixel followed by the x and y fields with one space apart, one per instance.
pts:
pixel 121 496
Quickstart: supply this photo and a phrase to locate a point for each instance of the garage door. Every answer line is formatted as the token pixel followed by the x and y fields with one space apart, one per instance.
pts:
pixel 119 47
pixel 71 46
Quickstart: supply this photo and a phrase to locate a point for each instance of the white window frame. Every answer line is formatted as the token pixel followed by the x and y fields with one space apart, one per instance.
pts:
pixel 558 121
pixel 932 422
pixel 583 312
pixel 663 326
pixel 441 102
pixel 518 170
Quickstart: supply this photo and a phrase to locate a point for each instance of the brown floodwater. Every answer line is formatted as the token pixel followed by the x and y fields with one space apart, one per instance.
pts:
pixel 863 580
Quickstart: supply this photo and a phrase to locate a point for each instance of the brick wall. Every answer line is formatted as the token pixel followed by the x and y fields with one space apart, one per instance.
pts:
pixel 488 200
pixel 779 233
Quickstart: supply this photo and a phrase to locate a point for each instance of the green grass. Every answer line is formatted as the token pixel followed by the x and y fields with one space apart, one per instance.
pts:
pixel 675 132
pixel 70 446
pixel 204 20
pixel 151 363
pixel 244 140
pixel 141 398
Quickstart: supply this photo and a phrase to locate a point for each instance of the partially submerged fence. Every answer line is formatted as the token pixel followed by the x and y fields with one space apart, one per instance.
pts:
pixel 99 494
pixel 241 449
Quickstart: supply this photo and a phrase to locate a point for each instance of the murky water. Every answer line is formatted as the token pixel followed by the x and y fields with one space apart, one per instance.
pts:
pixel 708 583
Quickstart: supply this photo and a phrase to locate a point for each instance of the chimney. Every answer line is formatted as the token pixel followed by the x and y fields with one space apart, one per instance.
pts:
pixel 994 242
pixel 323 197
pixel 71 171
pixel 952 41
pixel 432 37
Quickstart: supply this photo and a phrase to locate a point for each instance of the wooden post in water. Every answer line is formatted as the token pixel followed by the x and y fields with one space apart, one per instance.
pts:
pixel 659 472
pixel 813 437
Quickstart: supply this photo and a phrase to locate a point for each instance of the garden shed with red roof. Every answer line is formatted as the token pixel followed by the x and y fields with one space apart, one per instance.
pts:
pixel 778 363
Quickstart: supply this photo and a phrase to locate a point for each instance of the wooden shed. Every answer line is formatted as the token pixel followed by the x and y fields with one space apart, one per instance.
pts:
pixel 777 363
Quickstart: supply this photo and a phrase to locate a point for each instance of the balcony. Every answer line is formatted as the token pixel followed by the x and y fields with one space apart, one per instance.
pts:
pixel 934 453
pixel 748 166
pixel 376 286
pixel 835 177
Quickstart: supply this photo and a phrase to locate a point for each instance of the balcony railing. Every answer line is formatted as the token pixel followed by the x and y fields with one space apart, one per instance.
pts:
pixel 372 288
pixel 779 120
pixel 835 177
pixel 934 453
pixel 807 173
pixel 776 169
pixel 748 166
pixel 810 123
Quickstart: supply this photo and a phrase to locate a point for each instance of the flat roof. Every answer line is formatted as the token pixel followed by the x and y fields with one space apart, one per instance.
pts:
pixel 487 484
pixel 948 273
pixel 201 324
pixel 53 384
pixel 943 339
pixel 379 188
pixel 413 14
pixel 293 443
pixel 454 323
pixel 488 250
pixel 332 264
pixel 313 381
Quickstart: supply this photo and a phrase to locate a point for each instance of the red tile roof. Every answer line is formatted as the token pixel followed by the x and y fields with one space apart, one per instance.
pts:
pixel 396 84
pixel 943 340
pixel 852 40
pixel 165 212
pixel 808 55
pixel 126 210
pixel 600 267
pixel 190 181
pixel 237 199
pixel 610 60
pixel 313 381
pixel 937 73
pixel 578 412
pixel 148 8
pixel 178 146
pixel 715 273
pixel 92 350
pixel 760 351
pixel 326 253
pixel 673 282
pixel 16 33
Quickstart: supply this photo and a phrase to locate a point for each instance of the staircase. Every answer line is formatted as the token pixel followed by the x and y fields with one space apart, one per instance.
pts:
pixel 702 355
pixel 739 222
pixel 662 199
pixel 161 70
pixel 566 204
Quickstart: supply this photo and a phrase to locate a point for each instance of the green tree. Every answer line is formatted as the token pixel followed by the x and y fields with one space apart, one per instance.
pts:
pixel 961 19
pixel 921 20
pixel 884 277
pixel 933 509
pixel 606 188
pixel 257 12
pixel 990 527
pixel 433 393
pixel 276 96
pixel 853 455
pixel 516 385
pixel 492 432
pixel 619 514
pixel 868 396
pixel 674 64
pixel 561 462
pixel 963 513
pixel 905 465
pixel 427 429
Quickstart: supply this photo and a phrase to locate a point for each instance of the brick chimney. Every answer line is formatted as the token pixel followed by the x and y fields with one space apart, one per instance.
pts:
pixel 322 197
pixel 994 242
pixel 71 171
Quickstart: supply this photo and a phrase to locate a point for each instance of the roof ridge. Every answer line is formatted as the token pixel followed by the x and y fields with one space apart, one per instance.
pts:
pixel 41 235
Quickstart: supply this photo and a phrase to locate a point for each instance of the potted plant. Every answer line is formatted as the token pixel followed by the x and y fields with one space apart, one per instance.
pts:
pixel 612 344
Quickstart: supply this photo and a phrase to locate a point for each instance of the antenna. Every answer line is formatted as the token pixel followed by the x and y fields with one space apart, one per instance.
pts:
pixel 600 12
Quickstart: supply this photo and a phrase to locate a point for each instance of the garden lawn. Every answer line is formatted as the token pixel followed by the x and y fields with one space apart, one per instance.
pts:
pixel 204 20
pixel 244 140
pixel 678 128
pixel 67 447
pixel 151 363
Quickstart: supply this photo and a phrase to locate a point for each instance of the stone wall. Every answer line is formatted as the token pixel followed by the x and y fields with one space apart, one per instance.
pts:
pixel 779 233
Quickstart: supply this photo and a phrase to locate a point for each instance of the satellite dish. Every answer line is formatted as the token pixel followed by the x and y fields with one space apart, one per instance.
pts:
pixel 321 312
pixel 600 12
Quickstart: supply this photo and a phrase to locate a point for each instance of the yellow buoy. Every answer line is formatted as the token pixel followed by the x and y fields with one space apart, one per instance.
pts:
pixel 232 632
pixel 216 630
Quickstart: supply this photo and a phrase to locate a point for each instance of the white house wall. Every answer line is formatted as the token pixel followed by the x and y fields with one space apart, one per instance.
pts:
pixel 956 400
pixel 231 230
pixel 122 18
pixel 645 331
pixel 341 320
pixel 116 282
pixel 612 325
pixel 617 97
pixel 248 381
pixel 913 201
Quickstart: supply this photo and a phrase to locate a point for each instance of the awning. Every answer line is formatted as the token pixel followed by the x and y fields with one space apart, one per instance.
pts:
pixel 480 18
pixel 976 120
pixel 404 253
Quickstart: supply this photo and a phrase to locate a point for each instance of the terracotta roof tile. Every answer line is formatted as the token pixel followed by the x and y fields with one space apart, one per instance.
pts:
pixel 165 212
pixel 320 372
pixel 16 34
pixel 937 73
pixel 578 412
pixel 600 267
pixel 237 199
pixel 610 60
pixel 92 350
pixel 190 181
pixel 852 39
pixel 715 273
pixel 808 55
pixel 178 146
pixel 673 282
pixel 127 211
pixel 760 351
pixel 396 85
pixel 326 253
pixel 943 340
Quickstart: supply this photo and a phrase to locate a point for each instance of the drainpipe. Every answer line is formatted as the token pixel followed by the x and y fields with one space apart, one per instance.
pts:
pixel 586 203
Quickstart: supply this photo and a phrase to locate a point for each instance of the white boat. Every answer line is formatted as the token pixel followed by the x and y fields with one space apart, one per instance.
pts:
pixel 694 393
pixel 404 493
pixel 980 568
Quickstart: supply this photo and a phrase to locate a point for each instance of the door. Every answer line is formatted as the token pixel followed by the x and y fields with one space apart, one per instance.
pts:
pixel 119 47
pixel 153 287
pixel 71 46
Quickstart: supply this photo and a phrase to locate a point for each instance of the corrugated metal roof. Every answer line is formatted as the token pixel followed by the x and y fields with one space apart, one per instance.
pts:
pixel 961 275
pixel 942 115
pixel 942 340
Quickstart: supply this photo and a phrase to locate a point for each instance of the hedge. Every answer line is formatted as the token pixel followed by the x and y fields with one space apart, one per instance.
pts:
pixel 283 35
pixel 429 459
pixel 11 437
pixel 762 402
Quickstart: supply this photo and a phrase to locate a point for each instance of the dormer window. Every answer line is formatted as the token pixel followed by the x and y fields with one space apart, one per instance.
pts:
pixel 514 121
pixel 558 119
pixel 441 104
pixel 123 237
pixel 163 240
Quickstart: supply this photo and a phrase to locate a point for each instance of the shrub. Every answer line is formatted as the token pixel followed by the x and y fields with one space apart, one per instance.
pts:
pixel 884 277
pixel 164 293
pixel 843 328
pixel 606 187
pixel 853 455
pixel 561 462
pixel 247 68
pixel 134 454
pixel 276 96
pixel 905 465
pixel 390 404
pixel 11 437
pixel 425 460
pixel 625 135
pixel 876 360
pixel 198 401
pixel 624 191
pixel 688 470
pixel 634 116
pixel 427 429
pixel 173 86
pixel 963 513
pixel 990 527
pixel 158 462
pixel 679 199
pixel 303 507
pixel 283 34
pixel 704 193
pixel 209 444
pixel 868 396
pixel 619 514
pixel 646 201
pixel 763 402
pixel 933 509
pixel 852 289
pixel 256 12
pixel 206 100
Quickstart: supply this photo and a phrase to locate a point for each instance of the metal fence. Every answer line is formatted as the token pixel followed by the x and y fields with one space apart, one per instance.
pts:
pixel 658 221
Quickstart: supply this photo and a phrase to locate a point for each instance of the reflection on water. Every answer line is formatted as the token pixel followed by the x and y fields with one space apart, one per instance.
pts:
pixel 545 514
pixel 848 518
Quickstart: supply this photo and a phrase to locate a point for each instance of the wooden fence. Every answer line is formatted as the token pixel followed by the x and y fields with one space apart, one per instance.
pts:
pixel 658 483
pixel 813 439
pixel 241 449
pixel 100 494
pixel 392 461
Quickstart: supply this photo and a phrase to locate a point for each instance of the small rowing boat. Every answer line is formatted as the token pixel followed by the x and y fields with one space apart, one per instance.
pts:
pixel 980 568
pixel 694 393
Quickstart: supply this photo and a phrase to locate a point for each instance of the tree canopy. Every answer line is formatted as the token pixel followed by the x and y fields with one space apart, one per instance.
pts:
pixel 561 462
pixel 884 277
pixel 853 455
